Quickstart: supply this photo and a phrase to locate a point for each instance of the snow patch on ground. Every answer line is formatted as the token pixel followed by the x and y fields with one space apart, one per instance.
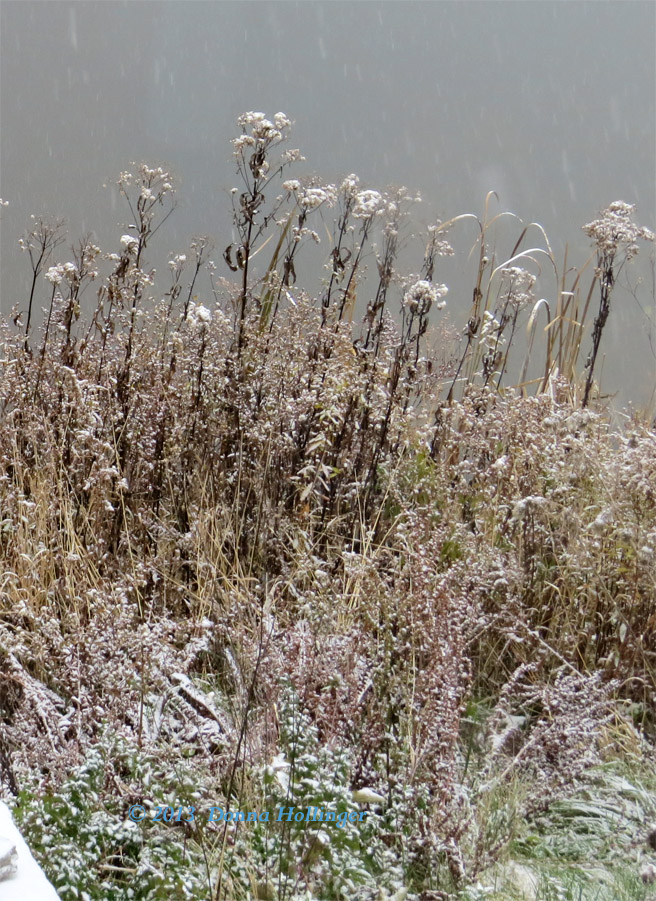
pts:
pixel 21 878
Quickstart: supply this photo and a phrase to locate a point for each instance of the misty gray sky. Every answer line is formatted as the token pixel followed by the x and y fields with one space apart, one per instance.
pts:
pixel 551 104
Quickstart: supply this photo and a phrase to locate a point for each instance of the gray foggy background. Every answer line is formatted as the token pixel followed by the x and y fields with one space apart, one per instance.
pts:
pixel 551 104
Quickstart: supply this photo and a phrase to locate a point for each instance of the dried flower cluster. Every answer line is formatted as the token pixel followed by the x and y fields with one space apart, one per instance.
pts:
pixel 615 230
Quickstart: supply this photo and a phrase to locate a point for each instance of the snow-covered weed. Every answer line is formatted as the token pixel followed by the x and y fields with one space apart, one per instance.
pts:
pixel 281 536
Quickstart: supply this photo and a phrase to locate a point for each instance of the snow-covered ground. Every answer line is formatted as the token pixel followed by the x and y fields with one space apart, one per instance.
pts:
pixel 21 878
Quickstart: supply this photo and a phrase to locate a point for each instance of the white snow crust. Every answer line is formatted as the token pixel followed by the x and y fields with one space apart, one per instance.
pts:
pixel 21 878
